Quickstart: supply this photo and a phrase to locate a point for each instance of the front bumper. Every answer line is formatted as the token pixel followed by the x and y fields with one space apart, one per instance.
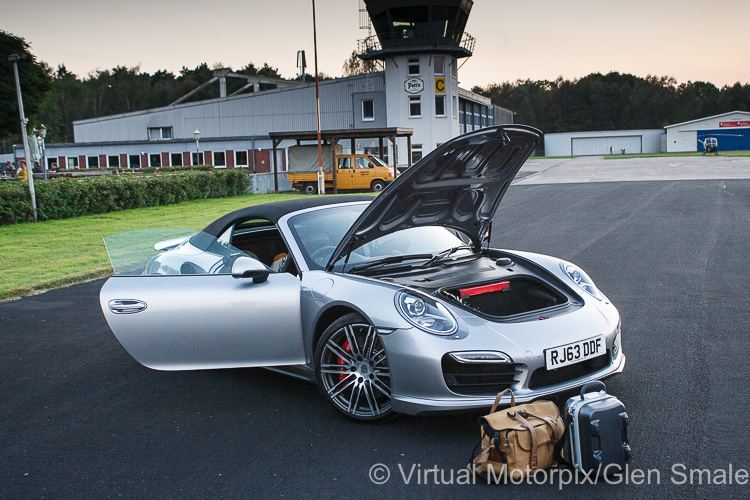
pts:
pixel 412 405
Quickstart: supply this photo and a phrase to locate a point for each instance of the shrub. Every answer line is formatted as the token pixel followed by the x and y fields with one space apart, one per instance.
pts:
pixel 62 198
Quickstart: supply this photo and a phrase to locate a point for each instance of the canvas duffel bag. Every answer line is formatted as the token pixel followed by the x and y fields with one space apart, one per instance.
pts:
pixel 519 440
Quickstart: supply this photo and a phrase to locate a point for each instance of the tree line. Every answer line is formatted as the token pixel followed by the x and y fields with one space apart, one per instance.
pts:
pixel 613 101
pixel 57 97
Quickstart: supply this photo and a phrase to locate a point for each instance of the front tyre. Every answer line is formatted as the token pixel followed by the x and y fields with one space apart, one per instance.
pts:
pixel 351 368
pixel 377 185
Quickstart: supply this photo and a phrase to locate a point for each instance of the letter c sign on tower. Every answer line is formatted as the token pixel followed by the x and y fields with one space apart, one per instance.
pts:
pixel 440 85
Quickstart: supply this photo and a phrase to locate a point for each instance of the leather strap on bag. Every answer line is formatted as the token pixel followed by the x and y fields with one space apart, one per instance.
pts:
pixel 499 396
pixel 534 440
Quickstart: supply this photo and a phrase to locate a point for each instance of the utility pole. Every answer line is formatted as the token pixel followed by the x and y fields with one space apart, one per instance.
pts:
pixel 14 58
pixel 321 177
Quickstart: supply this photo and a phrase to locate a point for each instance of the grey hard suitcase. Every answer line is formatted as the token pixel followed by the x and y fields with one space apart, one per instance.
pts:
pixel 596 429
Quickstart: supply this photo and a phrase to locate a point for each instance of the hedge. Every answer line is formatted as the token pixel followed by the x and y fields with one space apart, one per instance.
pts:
pixel 63 198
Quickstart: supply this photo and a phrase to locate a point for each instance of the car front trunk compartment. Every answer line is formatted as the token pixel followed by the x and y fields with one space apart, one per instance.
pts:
pixel 508 297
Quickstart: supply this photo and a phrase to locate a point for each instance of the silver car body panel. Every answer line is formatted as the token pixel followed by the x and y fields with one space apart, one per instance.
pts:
pixel 207 321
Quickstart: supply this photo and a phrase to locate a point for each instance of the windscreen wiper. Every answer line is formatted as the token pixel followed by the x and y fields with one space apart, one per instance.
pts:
pixel 445 253
pixel 390 260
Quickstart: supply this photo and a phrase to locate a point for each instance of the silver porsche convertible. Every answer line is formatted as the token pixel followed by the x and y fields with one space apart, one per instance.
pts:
pixel 393 304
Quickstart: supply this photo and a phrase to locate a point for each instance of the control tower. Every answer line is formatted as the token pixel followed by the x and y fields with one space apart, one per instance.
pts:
pixel 419 43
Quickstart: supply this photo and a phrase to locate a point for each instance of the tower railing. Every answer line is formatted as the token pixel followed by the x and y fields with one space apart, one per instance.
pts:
pixel 446 40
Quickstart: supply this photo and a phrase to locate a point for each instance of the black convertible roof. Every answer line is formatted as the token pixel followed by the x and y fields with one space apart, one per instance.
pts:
pixel 277 209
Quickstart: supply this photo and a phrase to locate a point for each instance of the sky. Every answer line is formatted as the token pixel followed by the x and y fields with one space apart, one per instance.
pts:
pixel 687 39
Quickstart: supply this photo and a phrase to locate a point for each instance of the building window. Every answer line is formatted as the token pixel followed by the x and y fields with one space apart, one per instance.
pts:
pixel 93 162
pixel 154 160
pixel 368 110
pixel 455 106
pixel 439 65
pixel 198 159
pixel 72 162
pixel 134 161
pixel 416 153
pixel 454 71
pixel 176 159
pixel 220 159
pixel 114 161
pixel 415 106
pixel 414 67
pixel 240 158
pixel 159 133
pixel 439 105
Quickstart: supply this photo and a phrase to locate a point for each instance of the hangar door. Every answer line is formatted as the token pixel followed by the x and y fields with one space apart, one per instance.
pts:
pixel 729 139
pixel 591 146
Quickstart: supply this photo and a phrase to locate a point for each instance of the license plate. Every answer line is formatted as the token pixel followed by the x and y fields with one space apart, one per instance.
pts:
pixel 570 354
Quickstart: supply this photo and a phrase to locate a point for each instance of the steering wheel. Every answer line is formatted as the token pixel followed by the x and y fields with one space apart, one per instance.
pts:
pixel 322 254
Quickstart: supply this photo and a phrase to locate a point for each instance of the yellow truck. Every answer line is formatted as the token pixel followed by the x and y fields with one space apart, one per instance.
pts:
pixel 353 171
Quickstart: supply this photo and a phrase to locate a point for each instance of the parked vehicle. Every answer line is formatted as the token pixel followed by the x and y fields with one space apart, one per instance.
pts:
pixel 353 171
pixel 391 305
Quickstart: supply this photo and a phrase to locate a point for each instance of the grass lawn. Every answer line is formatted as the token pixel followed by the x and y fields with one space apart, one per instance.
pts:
pixel 656 155
pixel 44 255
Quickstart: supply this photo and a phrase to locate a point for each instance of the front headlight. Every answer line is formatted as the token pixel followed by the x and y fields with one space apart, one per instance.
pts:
pixel 425 313
pixel 580 278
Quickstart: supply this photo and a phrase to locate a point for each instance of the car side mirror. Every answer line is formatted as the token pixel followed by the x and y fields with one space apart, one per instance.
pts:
pixel 245 267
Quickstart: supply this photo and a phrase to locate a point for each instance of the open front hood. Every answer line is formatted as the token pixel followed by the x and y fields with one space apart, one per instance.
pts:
pixel 459 185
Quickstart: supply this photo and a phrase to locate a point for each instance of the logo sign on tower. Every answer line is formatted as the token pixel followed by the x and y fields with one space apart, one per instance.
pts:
pixel 414 85
pixel 440 85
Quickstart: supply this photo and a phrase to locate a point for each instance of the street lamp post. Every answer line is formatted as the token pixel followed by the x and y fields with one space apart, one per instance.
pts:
pixel 14 58
pixel 197 135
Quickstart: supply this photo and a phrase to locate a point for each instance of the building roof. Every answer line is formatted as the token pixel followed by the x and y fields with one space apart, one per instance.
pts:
pixel 709 118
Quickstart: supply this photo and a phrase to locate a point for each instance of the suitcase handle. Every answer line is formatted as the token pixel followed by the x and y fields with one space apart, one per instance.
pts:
pixel 591 385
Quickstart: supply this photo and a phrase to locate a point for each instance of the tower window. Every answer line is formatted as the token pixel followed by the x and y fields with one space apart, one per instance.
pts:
pixel 415 106
pixel 439 65
pixel 439 105
pixel 414 67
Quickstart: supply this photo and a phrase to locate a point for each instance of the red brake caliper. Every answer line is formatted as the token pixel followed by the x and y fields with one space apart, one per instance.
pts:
pixel 340 361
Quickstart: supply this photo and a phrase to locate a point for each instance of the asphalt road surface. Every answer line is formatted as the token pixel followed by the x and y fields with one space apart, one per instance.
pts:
pixel 80 418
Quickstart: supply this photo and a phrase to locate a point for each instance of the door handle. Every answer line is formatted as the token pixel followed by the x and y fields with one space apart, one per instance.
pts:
pixel 126 306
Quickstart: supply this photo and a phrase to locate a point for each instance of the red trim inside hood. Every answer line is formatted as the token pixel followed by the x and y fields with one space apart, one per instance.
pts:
pixel 479 290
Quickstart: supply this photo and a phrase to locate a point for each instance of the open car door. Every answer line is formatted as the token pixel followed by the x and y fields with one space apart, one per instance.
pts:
pixel 199 303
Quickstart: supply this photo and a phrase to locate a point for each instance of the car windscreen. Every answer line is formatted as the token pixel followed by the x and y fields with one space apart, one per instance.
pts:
pixel 377 161
pixel 319 232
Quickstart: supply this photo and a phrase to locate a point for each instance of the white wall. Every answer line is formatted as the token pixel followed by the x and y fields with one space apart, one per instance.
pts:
pixel 599 142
